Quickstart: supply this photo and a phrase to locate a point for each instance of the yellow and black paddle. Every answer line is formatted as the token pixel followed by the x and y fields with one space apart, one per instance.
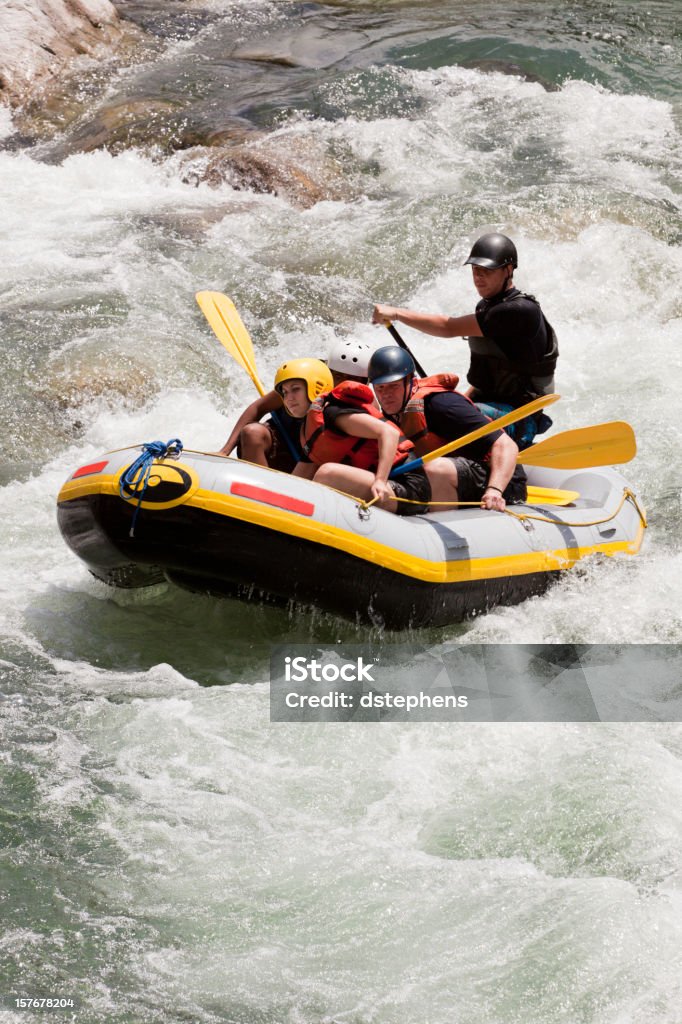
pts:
pixel 605 444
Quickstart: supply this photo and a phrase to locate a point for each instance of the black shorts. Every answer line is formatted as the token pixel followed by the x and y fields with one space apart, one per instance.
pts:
pixel 415 486
pixel 472 480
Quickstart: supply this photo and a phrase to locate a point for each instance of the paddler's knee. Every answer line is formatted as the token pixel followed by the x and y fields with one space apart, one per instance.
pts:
pixel 328 474
pixel 255 441
pixel 442 474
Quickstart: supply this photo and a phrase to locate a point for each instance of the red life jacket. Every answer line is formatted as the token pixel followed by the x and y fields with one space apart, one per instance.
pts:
pixel 323 444
pixel 413 419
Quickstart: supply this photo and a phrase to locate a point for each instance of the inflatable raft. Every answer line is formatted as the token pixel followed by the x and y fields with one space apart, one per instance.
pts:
pixel 220 526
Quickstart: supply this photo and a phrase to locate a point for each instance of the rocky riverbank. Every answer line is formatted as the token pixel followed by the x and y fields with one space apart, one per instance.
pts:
pixel 57 56
pixel 39 38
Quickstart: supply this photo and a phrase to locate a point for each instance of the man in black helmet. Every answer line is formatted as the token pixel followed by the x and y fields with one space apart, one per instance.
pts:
pixel 513 347
pixel 430 413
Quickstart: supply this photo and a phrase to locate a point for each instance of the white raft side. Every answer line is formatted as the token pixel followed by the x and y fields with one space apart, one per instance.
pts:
pixel 459 534
pixel 471 534
pixel 436 538
pixel 442 537
pixel 338 512
pixel 603 518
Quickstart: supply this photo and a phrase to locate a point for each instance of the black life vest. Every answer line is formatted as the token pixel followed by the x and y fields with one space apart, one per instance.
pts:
pixel 500 378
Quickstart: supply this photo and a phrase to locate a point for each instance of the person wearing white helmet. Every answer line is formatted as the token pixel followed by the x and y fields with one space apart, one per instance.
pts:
pixel 348 359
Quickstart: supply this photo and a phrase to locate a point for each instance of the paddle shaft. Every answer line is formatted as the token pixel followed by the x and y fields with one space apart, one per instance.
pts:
pixel 488 428
pixel 397 338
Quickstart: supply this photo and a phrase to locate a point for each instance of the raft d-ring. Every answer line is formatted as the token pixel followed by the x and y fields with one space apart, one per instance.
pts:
pixel 527 525
pixel 174 452
pixel 364 513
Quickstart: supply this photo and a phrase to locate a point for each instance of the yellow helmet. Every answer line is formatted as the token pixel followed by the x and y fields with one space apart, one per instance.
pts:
pixel 314 372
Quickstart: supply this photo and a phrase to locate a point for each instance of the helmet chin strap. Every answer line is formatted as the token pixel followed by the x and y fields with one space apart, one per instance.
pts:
pixel 408 385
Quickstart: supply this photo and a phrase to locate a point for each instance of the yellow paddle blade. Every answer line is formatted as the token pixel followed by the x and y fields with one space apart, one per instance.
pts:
pixel 228 328
pixel 550 496
pixel 607 444
pixel 489 428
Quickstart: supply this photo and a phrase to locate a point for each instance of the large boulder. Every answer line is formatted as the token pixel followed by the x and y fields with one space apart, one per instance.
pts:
pixel 39 37
pixel 295 169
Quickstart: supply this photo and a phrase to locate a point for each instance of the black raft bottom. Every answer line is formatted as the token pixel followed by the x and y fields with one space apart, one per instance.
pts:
pixel 210 553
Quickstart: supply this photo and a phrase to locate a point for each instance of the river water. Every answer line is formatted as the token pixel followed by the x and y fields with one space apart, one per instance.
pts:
pixel 167 854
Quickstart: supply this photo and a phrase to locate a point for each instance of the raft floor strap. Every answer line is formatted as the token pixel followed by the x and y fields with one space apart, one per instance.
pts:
pixel 136 476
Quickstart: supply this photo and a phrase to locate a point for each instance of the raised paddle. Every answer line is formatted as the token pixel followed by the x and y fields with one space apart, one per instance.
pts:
pixel 488 428
pixel 226 323
pixel 228 328
pixel 607 444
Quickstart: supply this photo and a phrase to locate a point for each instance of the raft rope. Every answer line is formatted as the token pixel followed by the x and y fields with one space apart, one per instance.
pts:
pixel 136 476
pixel 628 495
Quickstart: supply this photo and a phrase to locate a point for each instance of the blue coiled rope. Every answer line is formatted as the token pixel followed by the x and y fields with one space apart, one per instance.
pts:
pixel 136 476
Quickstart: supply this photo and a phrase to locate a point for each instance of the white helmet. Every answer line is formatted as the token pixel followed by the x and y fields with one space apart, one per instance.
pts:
pixel 350 357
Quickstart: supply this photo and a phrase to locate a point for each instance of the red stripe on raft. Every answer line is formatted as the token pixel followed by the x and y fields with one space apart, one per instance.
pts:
pixel 94 467
pixel 304 508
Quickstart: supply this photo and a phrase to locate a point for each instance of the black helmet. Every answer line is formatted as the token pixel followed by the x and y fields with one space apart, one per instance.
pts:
pixel 492 252
pixel 388 364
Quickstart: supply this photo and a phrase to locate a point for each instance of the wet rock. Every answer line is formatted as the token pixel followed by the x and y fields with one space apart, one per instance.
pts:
pixel 282 60
pixel 233 131
pixel 146 123
pixel 38 38
pixel 503 67
pixel 120 126
pixel 70 388
pixel 168 19
pixel 292 169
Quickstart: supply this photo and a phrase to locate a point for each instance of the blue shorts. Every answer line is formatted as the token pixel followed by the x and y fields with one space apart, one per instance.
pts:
pixel 523 431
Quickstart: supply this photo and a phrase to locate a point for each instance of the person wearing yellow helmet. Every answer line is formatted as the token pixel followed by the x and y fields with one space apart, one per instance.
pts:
pixel 276 442
pixel 341 435
pixel 298 382
pixel 268 445
pixel 313 377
